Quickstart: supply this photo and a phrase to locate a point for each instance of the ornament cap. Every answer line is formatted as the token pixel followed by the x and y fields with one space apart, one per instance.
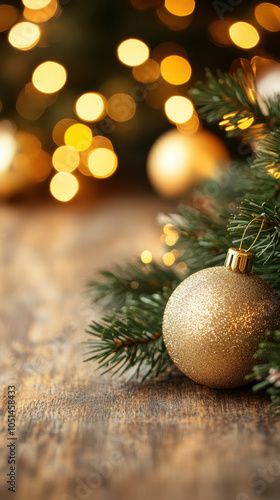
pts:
pixel 239 260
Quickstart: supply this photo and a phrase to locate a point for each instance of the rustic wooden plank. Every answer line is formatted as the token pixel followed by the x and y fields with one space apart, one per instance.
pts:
pixel 82 436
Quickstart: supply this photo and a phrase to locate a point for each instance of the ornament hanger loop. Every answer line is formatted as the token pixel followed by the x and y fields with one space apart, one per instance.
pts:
pixel 255 218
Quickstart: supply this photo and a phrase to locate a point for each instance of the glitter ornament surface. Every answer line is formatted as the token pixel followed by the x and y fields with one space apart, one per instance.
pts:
pixel 214 322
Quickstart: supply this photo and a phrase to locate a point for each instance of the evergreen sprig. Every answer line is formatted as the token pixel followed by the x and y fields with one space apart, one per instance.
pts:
pixel 131 339
pixel 122 284
pixel 229 99
pixel 268 372
pixel 268 153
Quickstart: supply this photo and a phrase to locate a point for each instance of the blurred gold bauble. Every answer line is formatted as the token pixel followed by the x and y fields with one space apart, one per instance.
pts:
pixel 177 162
pixel 214 322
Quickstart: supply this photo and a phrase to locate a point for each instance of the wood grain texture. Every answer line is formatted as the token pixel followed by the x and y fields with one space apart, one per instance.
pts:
pixel 82 436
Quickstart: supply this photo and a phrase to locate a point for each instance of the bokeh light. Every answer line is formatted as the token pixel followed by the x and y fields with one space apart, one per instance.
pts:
pixel 171 21
pixel 177 162
pixel 43 14
pixel 245 123
pixel 121 107
pixel 168 258
pixel 178 109
pixel 31 103
pixel 35 4
pixel 244 35
pixel 99 141
pixel 148 72
pixel 218 32
pixel 180 7
pixel 91 107
pixel 36 165
pixel 268 16
pixel 146 257
pixel 24 36
pixel 78 136
pixel 60 129
pixel 175 70
pixel 8 16
pixel 171 238
pixel 49 77
pixel 102 162
pixel 166 49
pixel 65 159
pixel 64 186
pixel 267 79
pixel 7 149
pixel 133 52
pixel 190 126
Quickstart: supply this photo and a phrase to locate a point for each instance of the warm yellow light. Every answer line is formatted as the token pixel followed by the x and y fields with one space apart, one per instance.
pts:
pixel 168 228
pixel 146 256
pixel 182 267
pixel 218 31
pixel 99 141
pixel 60 129
pixel 229 115
pixel 35 4
pixel 168 259
pixel 78 136
pixel 8 16
pixel 178 109
pixel 43 14
pixel 64 186
pixel 102 162
pixel 190 126
pixel 180 7
pixel 171 21
pixel 148 72
pixel 65 159
pixel 36 164
pixel 177 162
pixel 133 52
pixel 121 107
pixel 175 69
pixel 245 123
pixel 24 36
pixel 268 16
pixel 49 77
pixel 244 35
pixel 90 107
pixel 7 150
pixel 171 238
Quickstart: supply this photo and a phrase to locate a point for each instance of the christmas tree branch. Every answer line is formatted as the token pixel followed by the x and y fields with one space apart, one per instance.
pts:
pixel 229 100
pixel 131 339
pixel 268 374
pixel 125 283
pixel 268 153
pixel 202 237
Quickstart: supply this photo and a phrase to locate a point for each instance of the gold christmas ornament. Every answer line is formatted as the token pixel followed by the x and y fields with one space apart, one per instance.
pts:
pixel 177 162
pixel 215 320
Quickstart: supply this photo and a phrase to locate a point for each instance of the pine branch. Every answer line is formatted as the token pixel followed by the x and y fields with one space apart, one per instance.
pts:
pixel 228 99
pixel 203 240
pixel 121 285
pixel 268 374
pixel 131 339
pixel 256 183
pixel 268 153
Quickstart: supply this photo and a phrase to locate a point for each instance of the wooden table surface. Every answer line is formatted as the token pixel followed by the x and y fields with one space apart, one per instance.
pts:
pixel 81 436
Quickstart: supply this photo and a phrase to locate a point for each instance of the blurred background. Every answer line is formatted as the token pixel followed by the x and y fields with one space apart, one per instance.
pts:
pixel 94 94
